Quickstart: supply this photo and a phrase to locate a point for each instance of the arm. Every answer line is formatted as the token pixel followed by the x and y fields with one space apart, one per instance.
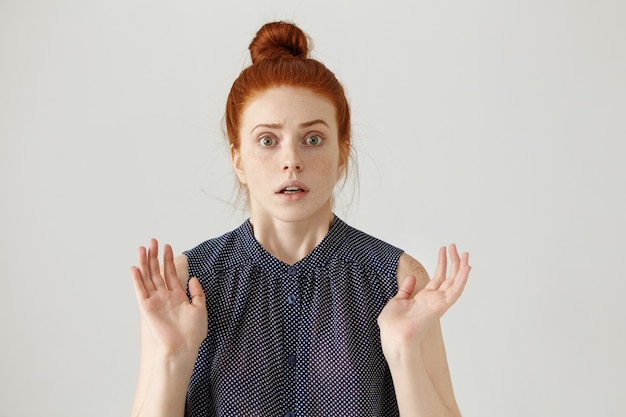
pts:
pixel 411 335
pixel 172 329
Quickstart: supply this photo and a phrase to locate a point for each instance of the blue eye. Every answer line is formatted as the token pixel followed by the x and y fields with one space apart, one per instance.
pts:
pixel 267 141
pixel 313 140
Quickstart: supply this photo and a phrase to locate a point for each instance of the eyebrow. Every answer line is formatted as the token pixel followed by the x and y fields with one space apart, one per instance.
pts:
pixel 302 125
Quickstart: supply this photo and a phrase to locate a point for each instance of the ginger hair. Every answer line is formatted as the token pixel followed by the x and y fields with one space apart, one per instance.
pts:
pixel 280 57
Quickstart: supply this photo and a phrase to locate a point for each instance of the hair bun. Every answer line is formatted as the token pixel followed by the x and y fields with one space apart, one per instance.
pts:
pixel 279 40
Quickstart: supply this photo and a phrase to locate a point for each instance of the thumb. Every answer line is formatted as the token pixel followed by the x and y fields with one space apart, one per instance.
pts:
pixel 196 292
pixel 407 287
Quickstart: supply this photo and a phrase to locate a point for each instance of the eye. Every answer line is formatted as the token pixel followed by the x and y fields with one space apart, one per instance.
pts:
pixel 313 140
pixel 267 141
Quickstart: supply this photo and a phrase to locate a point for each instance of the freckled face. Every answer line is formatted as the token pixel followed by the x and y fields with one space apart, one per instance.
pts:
pixel 289 155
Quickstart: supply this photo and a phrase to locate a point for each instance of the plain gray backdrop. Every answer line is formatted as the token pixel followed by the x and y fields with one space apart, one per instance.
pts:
pixel 498 125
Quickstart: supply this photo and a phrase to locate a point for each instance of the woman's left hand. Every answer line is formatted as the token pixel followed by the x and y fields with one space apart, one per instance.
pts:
pixel 409 314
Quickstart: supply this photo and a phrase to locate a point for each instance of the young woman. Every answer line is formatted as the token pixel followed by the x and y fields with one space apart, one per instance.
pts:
pixel 294 313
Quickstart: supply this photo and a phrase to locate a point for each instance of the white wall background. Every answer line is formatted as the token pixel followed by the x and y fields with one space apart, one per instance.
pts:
pixel 499 125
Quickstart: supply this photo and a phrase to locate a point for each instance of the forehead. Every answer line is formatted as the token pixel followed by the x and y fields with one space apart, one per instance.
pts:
pixel 288 105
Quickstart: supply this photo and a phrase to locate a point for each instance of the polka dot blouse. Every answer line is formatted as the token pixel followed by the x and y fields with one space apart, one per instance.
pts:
pixel 293 340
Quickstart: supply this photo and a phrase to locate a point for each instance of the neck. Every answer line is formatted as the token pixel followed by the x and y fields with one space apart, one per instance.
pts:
pixel 291 240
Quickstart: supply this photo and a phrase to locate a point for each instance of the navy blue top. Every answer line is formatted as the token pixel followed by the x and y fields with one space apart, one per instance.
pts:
pixel 293 340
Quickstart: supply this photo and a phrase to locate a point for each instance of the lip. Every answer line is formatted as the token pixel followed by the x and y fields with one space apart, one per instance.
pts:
pixel 292 197
pixel 297 184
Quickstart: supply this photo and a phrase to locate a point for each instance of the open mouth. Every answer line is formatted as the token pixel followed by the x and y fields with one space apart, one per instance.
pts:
pixel 291 190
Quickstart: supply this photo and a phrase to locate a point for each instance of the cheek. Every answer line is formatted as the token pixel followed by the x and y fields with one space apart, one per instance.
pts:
pixel 328 165
pixel 320 162
pixel 254 167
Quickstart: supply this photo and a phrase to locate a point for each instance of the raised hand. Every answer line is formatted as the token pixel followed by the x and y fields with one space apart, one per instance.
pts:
pixel 408 315
pixel 178 326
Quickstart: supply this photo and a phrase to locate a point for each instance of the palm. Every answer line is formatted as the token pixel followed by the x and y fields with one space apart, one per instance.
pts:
pixel 175 323
pixel 410 313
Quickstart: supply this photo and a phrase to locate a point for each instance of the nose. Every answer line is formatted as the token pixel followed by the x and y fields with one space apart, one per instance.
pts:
pixel 291 159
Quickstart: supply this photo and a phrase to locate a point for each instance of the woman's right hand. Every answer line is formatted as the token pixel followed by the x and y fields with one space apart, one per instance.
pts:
pixel 178 326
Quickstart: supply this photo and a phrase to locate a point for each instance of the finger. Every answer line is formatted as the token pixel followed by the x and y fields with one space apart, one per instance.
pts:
pixel 457 285
pixel 457 288
pixel 464 261
pixel 153 264
pixel 454 267
pixel 144 270
pixel 440 271
pixel 138 284
pixel 169 268
pixel 406 288
pixel 454 261
pixel 196 292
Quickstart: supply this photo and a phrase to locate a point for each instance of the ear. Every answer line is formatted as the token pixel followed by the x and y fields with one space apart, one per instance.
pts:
pixel 235 157
pixel 344 156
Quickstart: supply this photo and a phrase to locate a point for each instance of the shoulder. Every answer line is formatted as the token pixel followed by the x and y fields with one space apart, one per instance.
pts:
pixel 407 265
pixel 362 248
pixel 218 253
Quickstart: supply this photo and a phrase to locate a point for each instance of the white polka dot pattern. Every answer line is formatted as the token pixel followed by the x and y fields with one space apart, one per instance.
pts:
pixel 293 340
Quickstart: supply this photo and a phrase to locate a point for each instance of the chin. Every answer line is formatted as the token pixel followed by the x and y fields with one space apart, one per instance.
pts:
pixel 295 213
pixel 300 215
